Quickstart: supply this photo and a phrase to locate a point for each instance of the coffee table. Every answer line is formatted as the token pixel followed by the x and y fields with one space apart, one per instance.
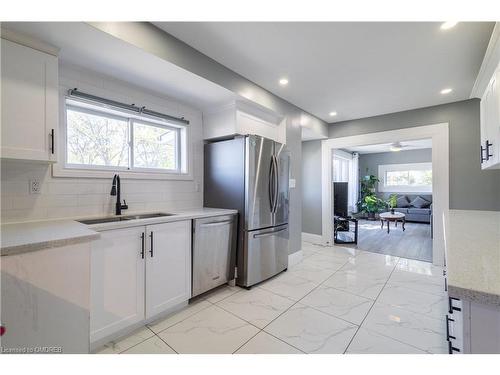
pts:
pixel 388 217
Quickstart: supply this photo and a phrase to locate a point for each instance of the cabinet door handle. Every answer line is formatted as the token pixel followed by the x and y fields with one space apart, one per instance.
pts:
pixel 451 348
pixel 143 242
pixel 488 145
pixel 452 308
pixel 151 249
pixel 448 336
pixel 52 141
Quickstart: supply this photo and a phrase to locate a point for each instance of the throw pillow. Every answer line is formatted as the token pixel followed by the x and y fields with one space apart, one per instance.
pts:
pixel 402 202
pixel 420 202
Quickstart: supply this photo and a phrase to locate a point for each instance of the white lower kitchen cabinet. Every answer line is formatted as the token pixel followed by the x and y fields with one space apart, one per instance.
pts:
pixel 473 328
pixel 117 282
pixel 484 329
pixel 45 300
pixel 168 266
pixel 138 273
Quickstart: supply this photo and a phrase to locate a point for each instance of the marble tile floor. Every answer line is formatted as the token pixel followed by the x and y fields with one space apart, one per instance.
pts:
pixel 336 300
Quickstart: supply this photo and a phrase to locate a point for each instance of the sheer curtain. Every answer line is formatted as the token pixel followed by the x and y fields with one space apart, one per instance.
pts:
pixel 354 183
pixel 345 169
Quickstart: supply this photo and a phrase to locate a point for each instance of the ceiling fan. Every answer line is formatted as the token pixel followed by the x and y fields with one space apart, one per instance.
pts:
pixel 397 146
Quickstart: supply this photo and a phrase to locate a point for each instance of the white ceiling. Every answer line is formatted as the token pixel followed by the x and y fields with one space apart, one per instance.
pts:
pixel 82 45
pixel 358 69
pixel 386 147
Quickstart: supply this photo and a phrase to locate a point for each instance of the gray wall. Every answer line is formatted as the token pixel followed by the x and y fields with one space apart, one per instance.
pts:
pixel 372 161
pixel 470 187
pixel 155 41
pixel 311 185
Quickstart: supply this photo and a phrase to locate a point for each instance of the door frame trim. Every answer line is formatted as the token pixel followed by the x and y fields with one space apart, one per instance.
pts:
pixel 439 133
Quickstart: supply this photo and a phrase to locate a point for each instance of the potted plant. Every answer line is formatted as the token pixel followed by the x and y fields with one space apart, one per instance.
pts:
pixel 369 203
pixel 392 202
pixel 372 205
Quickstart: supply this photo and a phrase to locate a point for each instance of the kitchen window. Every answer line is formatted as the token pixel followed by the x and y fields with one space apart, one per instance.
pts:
pixel 99 138
pixel 405 178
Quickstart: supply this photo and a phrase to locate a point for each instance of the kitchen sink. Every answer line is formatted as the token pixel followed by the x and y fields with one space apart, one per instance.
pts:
pixel 122 218
pixel 145 216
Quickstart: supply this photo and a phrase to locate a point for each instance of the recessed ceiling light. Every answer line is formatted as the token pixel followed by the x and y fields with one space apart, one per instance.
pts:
pixel 448 25
pixel 283 81
pixel 446 91
pixel 333 113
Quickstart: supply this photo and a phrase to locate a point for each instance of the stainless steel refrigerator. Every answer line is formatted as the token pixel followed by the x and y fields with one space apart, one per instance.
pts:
pixel 251 174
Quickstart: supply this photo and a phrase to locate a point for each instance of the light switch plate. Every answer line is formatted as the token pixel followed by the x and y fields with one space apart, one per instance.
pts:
pixel 291 183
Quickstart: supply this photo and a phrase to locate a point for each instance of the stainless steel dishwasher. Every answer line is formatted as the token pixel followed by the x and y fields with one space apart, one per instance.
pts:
pixel 214 252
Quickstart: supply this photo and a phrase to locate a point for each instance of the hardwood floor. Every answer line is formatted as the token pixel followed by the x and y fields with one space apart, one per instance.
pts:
pixel 414 243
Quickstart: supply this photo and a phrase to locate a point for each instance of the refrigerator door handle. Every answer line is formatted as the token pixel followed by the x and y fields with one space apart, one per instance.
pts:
pixel 265 234
pixel 271 185
pixel 276 183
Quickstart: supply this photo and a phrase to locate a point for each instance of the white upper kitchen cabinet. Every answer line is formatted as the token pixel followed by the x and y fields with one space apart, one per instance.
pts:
pixel 117 281
pixel 168 266
pixel 29 103
pixel 242 118
pixel 490 124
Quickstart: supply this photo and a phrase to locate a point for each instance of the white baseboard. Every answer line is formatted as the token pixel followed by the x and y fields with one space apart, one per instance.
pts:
pixel 312 238
pixel 295 258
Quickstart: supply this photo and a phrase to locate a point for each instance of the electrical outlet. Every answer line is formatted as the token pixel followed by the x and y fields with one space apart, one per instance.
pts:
pixel 35 186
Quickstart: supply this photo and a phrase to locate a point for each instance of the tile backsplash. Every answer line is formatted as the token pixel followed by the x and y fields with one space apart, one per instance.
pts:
pixel 70 197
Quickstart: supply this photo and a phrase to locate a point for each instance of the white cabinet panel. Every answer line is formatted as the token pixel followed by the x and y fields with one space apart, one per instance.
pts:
pixel 490 124
pixel 244 119
pixel 168 266
pixel 29 102
pixel 45 300
pixel 118 273
pixel 485 329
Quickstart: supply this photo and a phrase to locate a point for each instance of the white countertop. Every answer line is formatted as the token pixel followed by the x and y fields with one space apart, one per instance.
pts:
pixel 473 255
pixel 178 215
pixel 32 236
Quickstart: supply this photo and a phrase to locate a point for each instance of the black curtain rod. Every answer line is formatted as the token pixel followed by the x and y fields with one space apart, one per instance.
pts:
pixel 129 107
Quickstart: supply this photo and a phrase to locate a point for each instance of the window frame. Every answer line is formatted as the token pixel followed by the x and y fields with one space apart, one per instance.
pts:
pixel 178 156
pixel 62 168
pixel 96 113
pixel 416 189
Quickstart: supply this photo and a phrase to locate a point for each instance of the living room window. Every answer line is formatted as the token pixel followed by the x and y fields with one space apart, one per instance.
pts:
pixel 405 178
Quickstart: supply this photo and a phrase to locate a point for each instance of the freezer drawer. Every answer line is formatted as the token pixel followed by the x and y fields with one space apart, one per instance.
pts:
pixel 214 252
pixel 265 255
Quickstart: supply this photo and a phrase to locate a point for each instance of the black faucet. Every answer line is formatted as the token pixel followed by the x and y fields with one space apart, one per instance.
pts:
pixel 115 190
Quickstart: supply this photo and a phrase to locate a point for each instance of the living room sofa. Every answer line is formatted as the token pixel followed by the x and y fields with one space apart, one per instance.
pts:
pixel 421 215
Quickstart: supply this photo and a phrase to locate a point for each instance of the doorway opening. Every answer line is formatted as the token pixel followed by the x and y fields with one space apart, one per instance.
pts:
pixel 438 135
pixel 382 198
